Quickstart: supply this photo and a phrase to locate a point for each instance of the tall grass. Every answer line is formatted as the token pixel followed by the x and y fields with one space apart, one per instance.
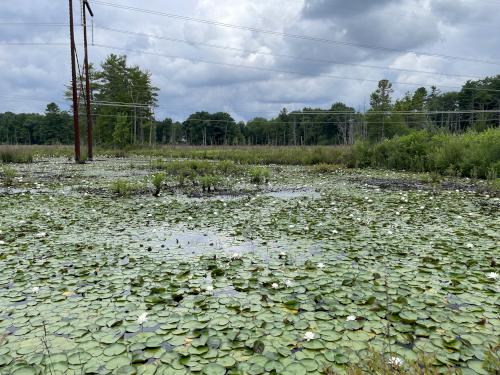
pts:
pixel 13 154
pixel 473 154
pixel 8 175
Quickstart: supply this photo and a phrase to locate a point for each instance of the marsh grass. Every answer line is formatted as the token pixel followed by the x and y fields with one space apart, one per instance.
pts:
pixel 124 188
pixel 471 154
pixel 259 175
pixel 13 154
pixel 8 175
pixel 325 168
pixel 158 180
pixel 209 175
pixel 210 182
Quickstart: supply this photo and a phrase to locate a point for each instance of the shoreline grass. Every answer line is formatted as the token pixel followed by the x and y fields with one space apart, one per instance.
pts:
pixel 474 155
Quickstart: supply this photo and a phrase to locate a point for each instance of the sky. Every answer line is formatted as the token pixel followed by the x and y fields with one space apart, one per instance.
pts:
pixel 252 57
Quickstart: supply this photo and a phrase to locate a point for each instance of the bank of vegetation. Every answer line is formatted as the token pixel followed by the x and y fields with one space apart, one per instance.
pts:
pixel 450 133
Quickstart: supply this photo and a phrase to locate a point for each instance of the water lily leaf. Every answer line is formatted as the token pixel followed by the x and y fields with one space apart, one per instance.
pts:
pixel 295 369
pixel 214 369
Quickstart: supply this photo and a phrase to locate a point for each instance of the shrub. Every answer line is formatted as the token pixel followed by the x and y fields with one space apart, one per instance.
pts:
pixel 259 175
pixel 8 175
pixel 475 155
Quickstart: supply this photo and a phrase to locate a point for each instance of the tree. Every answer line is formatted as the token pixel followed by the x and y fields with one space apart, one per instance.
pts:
pixel 121 132
pixel 380 99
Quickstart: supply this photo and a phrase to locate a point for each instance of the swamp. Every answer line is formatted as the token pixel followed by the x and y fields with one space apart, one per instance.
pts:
pixel 147 265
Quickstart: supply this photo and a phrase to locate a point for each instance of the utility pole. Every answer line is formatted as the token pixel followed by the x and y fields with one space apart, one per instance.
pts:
pixel 76 125
pixel 90 139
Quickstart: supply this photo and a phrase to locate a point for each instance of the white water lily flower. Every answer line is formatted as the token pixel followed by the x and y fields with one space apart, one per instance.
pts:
pixel 321 265
pixel 236 256
pixel 143 318
pixel 209 288
pixel 350 318
pixel 288 283
pixel 275 286
pixel 395 361
pixel 2 242
pixel 492 275
pixel 282 254
pixel 35 289
pixel 40 235
pixel 469 246
pixel 308 336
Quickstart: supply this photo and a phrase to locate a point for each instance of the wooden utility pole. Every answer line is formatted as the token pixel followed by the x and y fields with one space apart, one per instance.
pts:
pixel 90 137
pixel 76 125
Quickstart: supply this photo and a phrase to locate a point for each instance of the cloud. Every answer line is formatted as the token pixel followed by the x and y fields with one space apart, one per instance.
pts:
pixel 329 9
pixel 458 27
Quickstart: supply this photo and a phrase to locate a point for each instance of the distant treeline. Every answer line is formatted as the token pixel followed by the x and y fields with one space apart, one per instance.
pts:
pixel 124 101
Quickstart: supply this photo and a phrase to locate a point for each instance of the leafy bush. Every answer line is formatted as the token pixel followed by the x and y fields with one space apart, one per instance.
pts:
pixel 8 175
pixel 259 175
pixel 472 154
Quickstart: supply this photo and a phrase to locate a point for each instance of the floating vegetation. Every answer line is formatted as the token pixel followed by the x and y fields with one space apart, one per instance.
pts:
pixel 349 278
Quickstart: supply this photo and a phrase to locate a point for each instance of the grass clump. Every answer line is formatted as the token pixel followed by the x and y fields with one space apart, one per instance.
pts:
pixel 124 188
pixel 13 154
pixel 259 175
pixel 210 182
pixel 205 173
pixel 8 175
pixel 325 168
pixel 158 180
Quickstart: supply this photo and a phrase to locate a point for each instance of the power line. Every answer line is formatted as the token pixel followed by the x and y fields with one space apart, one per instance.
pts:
pixel 255 52
pixel 292 113
pixel 229 48
pixel 289 35
pixel 273 70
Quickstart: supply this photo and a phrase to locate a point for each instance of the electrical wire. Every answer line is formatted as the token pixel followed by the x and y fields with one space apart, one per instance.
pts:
pixel 288 35
pixel 255 52
pixel 273 70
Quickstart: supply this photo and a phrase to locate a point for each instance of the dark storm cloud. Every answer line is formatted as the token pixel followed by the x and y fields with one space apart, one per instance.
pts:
pixel 340 8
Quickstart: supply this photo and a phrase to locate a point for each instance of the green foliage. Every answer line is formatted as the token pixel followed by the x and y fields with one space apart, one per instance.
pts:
pixel 259 175
pixel 124 188
pixel 157 180
pixel 8 175
pixel 121 133
pixel 469 155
